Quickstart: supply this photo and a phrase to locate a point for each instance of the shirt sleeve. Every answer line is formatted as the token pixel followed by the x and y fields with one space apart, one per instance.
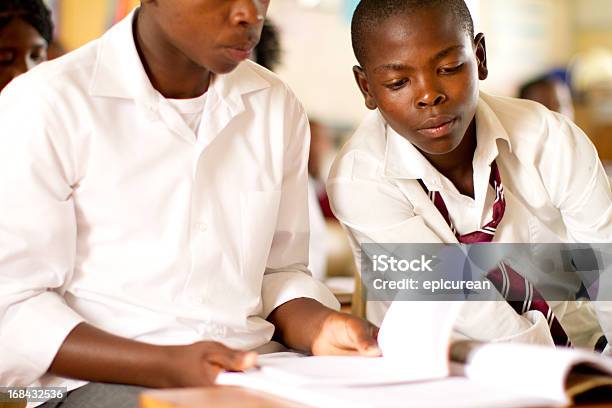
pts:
pixel 287 276
pixel 577 183
pixel 579 187
pixel 37 235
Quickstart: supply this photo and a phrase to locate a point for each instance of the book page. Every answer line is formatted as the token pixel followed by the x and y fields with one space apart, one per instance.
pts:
pixel 535 370
pixel 327 371
pixel 414 339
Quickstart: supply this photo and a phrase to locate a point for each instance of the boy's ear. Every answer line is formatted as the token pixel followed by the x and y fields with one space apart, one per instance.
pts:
pixel 480 49
pixel 364 87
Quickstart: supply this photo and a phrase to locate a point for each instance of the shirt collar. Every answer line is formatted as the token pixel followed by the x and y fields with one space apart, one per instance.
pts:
pixel 404 161
pixel 487 125
pixel 119 73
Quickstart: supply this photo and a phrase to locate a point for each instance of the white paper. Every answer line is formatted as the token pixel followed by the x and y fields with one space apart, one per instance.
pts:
pixel 325 371
pixel 415 337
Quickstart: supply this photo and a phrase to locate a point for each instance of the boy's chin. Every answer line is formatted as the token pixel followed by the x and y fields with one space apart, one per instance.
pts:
pixel 226 68
pixel 439 148
pixel 220 67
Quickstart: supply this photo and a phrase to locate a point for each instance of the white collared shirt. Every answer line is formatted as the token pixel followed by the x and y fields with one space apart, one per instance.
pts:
pixel 555 188
pixel 191 110
pixel 114 213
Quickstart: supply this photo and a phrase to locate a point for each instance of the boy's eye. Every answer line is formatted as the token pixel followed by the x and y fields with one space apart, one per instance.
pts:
pixel 451 69
pixel 6 57
pixel 394 85
pixel 38 56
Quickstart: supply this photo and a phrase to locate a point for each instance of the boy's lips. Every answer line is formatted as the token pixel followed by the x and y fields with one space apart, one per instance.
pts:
pixel 437 125
pixel 239 53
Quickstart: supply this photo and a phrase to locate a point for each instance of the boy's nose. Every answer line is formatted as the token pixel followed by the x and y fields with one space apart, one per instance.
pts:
pixel 248 12
pixel 429 98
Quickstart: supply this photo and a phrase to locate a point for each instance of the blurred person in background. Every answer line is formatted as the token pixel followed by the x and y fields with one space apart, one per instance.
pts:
pixel 267 53
pixel 551 92
pixel 320 148
pixel 25 34
pixel 319 145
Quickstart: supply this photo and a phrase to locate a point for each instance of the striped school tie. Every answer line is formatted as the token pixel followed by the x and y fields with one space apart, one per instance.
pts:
pixel 509 283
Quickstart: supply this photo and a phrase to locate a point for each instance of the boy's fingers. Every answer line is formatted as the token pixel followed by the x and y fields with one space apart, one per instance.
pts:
pixel 214 372
pixel 344 352
pixel 375 331
pixel 348 335
pixel 365 339
pixel 221 355
pixel 233 360
pixel 369 348
pixel 249 360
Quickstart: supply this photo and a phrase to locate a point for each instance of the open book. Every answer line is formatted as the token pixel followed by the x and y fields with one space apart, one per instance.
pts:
pixel 561 375
pixel 426 370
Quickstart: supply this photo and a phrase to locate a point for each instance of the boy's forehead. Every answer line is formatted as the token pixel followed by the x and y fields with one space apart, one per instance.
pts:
pixel 19 31
pixel 424 32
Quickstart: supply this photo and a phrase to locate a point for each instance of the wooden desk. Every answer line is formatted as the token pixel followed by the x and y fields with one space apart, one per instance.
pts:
pixel 231 397
pixel 218 397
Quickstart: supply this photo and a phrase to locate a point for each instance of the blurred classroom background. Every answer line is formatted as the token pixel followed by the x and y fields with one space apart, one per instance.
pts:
pixel 569 39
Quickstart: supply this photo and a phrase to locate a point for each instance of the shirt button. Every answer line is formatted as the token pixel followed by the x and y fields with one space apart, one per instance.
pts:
pixel 201 226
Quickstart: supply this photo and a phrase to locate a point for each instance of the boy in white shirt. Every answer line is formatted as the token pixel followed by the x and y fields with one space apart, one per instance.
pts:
pixel 432 132
pixel 142 242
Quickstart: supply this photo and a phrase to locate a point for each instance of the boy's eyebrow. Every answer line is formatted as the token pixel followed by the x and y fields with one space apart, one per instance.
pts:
pixel 398 66
pixel 447 51
pixel 393 66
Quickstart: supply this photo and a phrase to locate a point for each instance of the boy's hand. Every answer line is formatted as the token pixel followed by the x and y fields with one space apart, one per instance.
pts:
pixel 306 325
pixel 198 364
pixel 91 354
pixel 343 334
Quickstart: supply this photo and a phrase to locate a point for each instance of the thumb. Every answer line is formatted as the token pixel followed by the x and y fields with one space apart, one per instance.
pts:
pixel 233 360
pixel 365 340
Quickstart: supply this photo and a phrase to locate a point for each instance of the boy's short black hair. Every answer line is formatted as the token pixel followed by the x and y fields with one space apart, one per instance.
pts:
pixel 34 12
pixel 369 14
pixel 527 87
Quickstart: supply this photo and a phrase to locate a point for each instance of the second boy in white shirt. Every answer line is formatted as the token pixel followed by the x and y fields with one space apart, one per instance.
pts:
pixel 420 66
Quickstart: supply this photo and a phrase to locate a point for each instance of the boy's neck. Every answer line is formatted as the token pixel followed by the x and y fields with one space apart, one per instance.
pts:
pixel 171 73
pixel 456 165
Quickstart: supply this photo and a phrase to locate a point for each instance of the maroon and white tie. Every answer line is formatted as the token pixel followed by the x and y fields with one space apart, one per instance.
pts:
pixel 506 280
